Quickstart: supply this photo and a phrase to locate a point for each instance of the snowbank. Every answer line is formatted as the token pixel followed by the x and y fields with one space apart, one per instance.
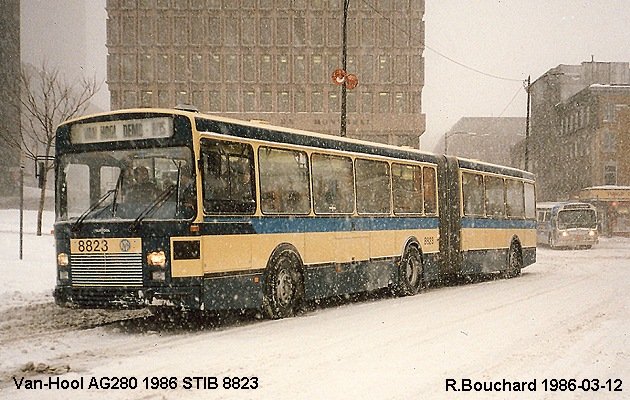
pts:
pixel 32 278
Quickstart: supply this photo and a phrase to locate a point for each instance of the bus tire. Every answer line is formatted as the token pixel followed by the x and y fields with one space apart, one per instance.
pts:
pixel 410 272
pixel 514 260
pixel 284 288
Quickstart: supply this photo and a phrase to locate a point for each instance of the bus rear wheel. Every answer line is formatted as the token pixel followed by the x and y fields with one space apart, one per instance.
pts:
pixel 284 287
pixel 514 261
pixel 411 272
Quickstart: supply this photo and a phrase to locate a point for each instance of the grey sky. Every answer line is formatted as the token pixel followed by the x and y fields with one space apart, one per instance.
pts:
pixel 69 34
pixel 505 38
pixel 511 39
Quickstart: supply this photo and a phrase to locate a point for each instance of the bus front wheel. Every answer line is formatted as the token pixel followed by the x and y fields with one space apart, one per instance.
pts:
pixel 284 288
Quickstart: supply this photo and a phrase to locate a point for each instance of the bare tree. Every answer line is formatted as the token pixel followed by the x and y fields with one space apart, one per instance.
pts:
pixel 46 100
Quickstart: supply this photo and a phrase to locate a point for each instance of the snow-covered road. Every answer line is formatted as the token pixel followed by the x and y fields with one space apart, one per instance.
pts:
pixel 566 317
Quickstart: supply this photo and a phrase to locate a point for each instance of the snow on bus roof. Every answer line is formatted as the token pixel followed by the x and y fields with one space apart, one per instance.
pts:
pixel 489 164
pixel 607 187
pixel 552 204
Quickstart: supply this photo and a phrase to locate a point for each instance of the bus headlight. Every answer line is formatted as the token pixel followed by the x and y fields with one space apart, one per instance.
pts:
pixel 62 260
pixel 156 259
pixel 64 275
pixel 591 233
pixel 565 233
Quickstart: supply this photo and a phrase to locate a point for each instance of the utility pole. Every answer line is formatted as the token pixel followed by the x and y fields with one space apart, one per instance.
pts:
pixel 344 57
pixel 340 76
pixel 529 82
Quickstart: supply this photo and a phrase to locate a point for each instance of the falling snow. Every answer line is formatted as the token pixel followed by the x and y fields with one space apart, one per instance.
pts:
pixel 567 316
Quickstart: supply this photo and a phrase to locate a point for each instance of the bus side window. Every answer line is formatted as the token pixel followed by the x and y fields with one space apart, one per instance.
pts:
pixel 430 192
pixel 472 190
pixel 407 189
pixel 495 199
pixel 333 184
pixel 372 187
pixel 228 183
pixel 515 198
pixel 284 181
pixel 530 201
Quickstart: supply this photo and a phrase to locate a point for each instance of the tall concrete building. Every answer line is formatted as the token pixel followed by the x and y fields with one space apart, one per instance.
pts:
pixel 273 60
pixel 9 89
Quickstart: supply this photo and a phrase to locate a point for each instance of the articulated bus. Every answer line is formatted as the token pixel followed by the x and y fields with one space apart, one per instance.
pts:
pixel 567 224
pixel 175 209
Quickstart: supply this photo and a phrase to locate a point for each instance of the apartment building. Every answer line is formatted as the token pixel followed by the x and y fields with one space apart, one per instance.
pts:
pixel 580 128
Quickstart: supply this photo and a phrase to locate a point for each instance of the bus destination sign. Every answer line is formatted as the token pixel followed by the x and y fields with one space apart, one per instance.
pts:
pixel 113 131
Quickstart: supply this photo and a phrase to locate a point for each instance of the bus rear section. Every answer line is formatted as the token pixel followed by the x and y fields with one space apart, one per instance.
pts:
pixel 567 225
pixel 493 226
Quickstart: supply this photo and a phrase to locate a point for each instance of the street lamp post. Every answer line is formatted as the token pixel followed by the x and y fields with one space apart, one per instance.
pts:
pixel 340 76
pixel 344 58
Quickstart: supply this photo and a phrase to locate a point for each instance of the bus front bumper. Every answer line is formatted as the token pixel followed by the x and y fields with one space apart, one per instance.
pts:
pixel 576 239
pixel 128 298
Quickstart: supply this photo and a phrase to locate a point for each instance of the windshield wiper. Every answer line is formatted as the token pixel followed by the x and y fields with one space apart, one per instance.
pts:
pixel 119 184
pixel 155 204
pixel 93 207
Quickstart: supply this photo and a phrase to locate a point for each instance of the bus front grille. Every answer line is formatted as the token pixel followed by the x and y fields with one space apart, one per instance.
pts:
pixel 114 270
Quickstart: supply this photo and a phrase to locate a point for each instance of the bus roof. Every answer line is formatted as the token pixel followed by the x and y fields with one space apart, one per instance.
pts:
pixel 308 138
pixel 257 124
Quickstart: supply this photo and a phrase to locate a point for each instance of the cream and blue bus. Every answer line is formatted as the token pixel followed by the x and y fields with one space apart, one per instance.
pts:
pixel 174 209
pixel 567 224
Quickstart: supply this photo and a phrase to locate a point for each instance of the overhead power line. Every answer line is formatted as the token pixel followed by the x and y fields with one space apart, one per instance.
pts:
pixel 423 43
pixel 512 100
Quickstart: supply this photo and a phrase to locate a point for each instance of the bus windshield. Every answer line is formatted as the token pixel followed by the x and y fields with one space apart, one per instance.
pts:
pixel 126 184
pixel 568 219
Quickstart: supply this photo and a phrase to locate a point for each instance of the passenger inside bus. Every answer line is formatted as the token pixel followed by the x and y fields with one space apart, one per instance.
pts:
pixel 215 186
pixel 241 183
pixel 143 189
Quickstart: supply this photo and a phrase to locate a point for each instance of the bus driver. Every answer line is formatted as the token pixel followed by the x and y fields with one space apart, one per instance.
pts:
pixel 142 190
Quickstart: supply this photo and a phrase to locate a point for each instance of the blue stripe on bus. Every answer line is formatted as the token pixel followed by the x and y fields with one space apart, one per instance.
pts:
pixel 492 223
pixel 328 224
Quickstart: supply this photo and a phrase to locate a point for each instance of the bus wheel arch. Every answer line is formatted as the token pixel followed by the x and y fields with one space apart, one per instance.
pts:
pixel 514 258
pixel 283 291
pixel 410 270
